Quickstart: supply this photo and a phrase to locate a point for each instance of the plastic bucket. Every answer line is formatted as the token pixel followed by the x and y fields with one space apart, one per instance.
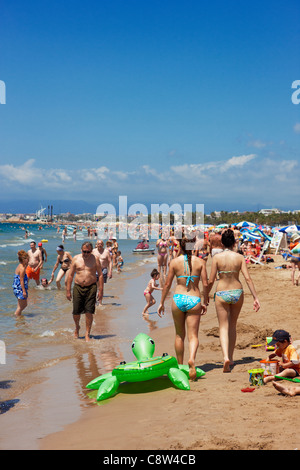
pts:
pixel 256 377
pixel 270 367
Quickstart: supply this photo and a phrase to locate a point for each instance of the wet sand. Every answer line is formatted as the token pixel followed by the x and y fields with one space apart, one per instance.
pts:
pixel 42 386
pixel 154 415
pixel 214 414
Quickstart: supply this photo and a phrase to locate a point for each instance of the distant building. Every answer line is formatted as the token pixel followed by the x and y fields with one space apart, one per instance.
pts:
pixel 270 211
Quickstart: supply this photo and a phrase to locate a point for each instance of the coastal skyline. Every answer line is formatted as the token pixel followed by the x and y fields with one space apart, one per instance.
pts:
pixel 180 102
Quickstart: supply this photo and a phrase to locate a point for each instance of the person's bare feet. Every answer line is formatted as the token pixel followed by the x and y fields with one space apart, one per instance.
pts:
pixel 284 390
pixel 76 333
pixel 192 371
pixel 226 366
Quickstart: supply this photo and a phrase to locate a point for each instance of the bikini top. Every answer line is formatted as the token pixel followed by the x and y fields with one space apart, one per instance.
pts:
pixel 186 269
pixel 226 272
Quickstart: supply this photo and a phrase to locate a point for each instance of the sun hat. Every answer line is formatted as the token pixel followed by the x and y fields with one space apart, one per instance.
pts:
pixel 279 335
pixel 295 236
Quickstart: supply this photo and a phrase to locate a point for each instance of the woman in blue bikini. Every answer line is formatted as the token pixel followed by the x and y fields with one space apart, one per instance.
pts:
pixel 186 306
pixel 229 297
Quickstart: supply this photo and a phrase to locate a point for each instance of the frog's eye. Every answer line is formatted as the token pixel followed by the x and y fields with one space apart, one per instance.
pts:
pixel 133 344
pixel 151 341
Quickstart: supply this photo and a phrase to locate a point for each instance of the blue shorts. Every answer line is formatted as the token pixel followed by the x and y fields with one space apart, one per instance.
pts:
pixel 17 288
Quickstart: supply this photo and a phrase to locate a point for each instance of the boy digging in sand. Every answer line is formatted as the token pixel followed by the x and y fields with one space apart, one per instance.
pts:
pixel 289 364
pixel 151 286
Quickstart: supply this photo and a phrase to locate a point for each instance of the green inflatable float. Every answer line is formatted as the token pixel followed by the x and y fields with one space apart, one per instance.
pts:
pixel 146 367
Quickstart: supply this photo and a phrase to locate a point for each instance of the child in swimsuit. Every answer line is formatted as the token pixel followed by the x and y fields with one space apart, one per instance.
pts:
pixel 289 363
pixel 20 284
pixel 120 261
pixel 151 286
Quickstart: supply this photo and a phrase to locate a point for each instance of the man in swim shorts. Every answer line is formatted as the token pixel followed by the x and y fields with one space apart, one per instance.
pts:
pixel 35 263
pixel 88 281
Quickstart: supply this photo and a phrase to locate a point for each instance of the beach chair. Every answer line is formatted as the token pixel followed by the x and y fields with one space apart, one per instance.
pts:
pixel 263 250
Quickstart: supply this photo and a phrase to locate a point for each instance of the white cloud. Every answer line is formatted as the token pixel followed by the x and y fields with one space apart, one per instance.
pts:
pixel 236 178
pixel 24 174
pixel 237 162
pixel 297 128
pixel 203 170
pixel 259 144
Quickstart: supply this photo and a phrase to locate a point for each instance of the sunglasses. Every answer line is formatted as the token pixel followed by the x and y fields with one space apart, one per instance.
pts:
pixel 86 251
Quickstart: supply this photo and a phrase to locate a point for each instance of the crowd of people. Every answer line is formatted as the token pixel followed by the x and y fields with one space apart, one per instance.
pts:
pixel 230 255
pixel 90 270
pixel 182 258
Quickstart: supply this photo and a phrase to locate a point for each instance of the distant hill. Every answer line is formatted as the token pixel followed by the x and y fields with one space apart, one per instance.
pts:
pixel 59 206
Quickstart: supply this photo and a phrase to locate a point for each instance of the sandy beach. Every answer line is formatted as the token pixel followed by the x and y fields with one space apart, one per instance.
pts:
pixel 215 414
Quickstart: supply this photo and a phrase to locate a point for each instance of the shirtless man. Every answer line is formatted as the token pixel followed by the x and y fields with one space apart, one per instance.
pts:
pixel 88 281
pixel 215 241
pixel 105 259
pixel 35 263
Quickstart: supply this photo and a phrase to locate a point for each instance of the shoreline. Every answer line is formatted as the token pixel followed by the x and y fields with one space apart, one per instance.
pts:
pixel 58 412
pixel 214 414
pixel 64 365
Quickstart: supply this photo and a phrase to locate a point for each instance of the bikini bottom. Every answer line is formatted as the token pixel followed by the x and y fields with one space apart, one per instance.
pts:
pixel 186 302
pixel 230 296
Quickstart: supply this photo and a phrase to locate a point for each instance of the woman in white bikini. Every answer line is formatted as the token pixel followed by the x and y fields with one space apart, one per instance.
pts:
pixel 229 297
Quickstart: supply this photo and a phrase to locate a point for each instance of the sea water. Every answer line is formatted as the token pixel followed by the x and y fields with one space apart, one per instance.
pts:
pixel 45 306
pixel 46 369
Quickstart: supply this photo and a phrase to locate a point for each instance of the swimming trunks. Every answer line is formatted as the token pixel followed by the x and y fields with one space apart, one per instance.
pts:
pixel 84 299
pixel 33 274
pixel 17 288
pixel 230 296
pixel 105 272
pixel 186 302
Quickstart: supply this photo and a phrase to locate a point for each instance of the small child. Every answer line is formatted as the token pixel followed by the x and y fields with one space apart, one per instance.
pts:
pixel 289 364
pixel 119 261
pixel 151 286
pixel 45 283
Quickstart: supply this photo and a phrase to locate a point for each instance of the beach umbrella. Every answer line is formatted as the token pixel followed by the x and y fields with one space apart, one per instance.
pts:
pixel 222 226
pixel 262 234
pixel 245 224
pixel 251 236
pixel 290 229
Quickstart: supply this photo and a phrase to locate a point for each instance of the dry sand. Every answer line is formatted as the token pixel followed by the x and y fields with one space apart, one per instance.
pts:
pixel 214 414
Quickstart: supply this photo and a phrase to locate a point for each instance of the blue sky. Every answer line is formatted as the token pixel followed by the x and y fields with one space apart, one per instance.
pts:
pixel 162 101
